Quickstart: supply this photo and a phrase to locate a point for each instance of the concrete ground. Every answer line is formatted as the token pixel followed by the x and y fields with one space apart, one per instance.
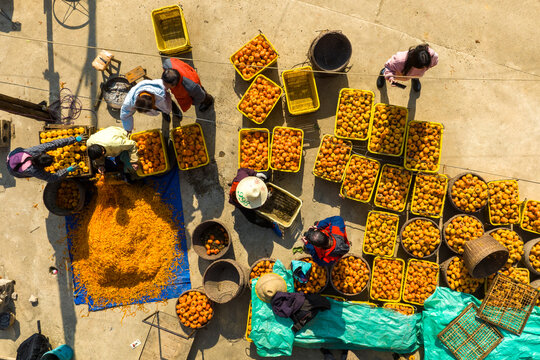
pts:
pixel 485 91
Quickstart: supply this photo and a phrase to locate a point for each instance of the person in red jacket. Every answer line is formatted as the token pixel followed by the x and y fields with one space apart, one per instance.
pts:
pixel 185 85
pixel 327 241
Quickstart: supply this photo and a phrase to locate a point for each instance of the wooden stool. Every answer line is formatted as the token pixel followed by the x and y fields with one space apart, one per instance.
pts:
pixel 102 62
pixel 135 74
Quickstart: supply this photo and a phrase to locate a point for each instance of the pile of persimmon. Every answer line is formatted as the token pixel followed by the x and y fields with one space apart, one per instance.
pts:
pixel 317 279
pixel 393 188
pixel 469 193
pixel 150 151
pixel 194 309
pixel 67 196
pixel 254 150
pixel 253 56
pixel 214 246
pixel 534 256
pixel 510 240
pixel 459 279
pixel 248 328
pixel 531 216
pixel 259 100
pixel 69 155
pixel 420 282
pixel 332 158
pixel 350 275
pixel 190 148
pixel 421 237
pixel 400 308
pixel 503 202
pixel 286 149
pixel 429 193
pixel 423 149
pixel 360 176
pixel 388 129
pixel 354 112
pixel 386 279
pixel 261 268
pixel 380 234
pixel 461 229
pixel 519 274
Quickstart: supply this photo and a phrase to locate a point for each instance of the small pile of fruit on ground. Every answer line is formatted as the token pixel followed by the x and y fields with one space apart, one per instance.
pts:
pixel 360 176
pixel 393 188
pixel 510 240
pixel 459 279
pixel 190 147
pixel 317 279
pixel 534 256
pixel 194 309
pixel 421 237
pixel 386 279
pixel 353 114
pixel 429 193
pixel 68 195
pixel 503 202
pixel 350 275
pixel 469 193
pixel 150 151
pixel 70 155
pixel 253 56
pixel 461 229
pixel 400 308
pixel 388 129
pixel 259 99
pixel 261 268
pixel 380 234
pixel 516 273
pixel 531 216
pixel 423 148
pixel 420 281
pixel 254 150
pixel 332 158
pixel 286 149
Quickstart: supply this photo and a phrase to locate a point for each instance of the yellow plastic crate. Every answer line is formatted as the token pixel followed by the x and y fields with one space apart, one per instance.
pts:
pixel 434 125
pixel 241 134
pixel 368 120
pixel 394 236
pixel 248 325
pixel 392 306
pixel 300 90
pixel 349 145
pixel 231 58
pixel 272 145
pixel 378 186
pixel 375 264
pixel 163 147
pixel 372 122
pixel 434 265
pixel 415 191
pixel 334 297
pixel 170 30
pixel 354 156
pixel 489 204
pixel 288 205
pixel 173 131
pixel 370 304
pixel 246 93
pixel 523 218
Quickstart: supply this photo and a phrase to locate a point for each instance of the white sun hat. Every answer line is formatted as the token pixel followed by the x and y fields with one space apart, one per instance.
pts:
pixel 251 192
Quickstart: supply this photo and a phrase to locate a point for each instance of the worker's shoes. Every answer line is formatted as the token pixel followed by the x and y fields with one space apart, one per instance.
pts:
pixel 207 102
pixel 416 85
pixel 380 79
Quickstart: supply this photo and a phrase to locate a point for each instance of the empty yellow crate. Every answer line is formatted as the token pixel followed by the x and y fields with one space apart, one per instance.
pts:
pixel 300 90
pixel 170 30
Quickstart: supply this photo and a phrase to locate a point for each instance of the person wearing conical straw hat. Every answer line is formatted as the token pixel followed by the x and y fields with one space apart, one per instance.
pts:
pixel 248 193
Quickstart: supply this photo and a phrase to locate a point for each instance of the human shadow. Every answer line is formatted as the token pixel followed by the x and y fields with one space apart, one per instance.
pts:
pixel 326 192
pixel 328 88
pixel 256 246
pixel 6 17
pixel 6 179
pixel 383 92
pixel 411 105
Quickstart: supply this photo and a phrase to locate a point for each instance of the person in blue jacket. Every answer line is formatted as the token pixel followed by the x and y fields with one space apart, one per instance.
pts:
pixel 31 162
pixel 327 241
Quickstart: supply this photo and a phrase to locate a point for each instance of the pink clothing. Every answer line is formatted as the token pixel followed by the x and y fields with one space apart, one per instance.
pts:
pixel 20 158
pixel 395 65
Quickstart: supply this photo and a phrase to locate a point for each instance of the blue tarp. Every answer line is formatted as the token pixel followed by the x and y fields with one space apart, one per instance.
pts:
pixel 168 185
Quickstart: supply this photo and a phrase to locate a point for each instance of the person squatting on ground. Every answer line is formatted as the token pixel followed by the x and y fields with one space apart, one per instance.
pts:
pixel 185 85
pixel 31 162
pixel 149 97
pixel 327 241
pixel 248 193
pixel 413 63
pixel 112 142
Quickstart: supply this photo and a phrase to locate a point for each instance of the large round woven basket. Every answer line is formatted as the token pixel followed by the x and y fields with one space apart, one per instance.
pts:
pixel 444 271
pixel 484 256
pixel 330 52
pixel 255 264
pixel 449 191
pixel 224 280
pixel 448 222
pixel 527 252
pixel 367 283
pixel 186 292
pixel 430 256
pixel 50 194
pixel 210 227
pixel 304 257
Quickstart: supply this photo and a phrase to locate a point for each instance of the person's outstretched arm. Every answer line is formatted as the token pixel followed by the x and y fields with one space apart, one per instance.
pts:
pixel 51 145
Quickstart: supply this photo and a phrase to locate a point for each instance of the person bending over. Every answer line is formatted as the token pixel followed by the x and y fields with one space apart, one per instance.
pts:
pixel 113 142
pixel 327 241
